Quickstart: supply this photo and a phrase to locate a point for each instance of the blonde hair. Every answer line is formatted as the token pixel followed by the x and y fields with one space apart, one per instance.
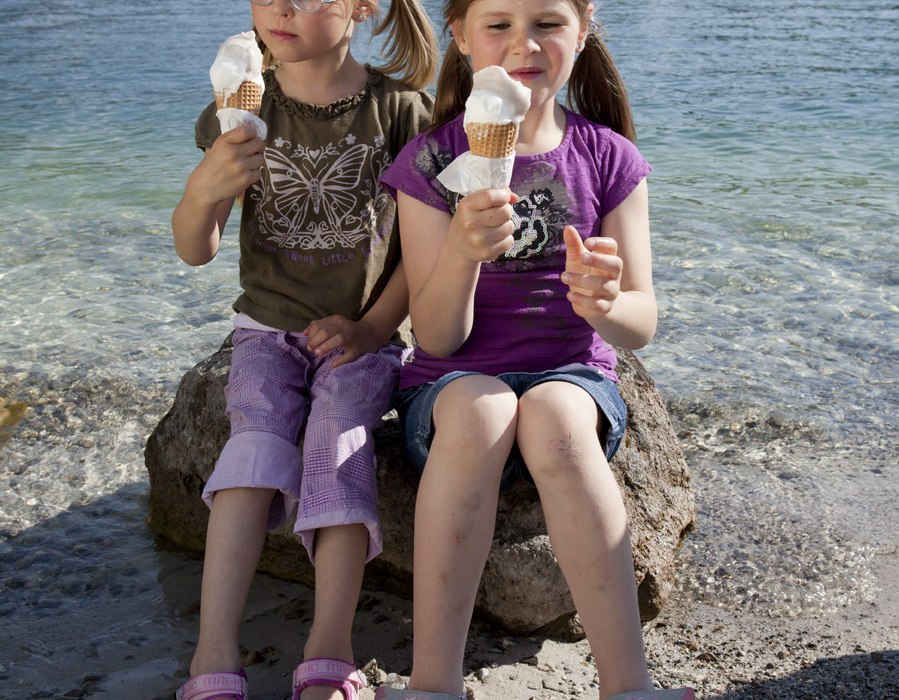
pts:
pixel 410 45
pixel 595 87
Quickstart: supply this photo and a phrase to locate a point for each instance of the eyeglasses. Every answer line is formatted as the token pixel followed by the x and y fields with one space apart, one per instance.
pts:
pixel 308 6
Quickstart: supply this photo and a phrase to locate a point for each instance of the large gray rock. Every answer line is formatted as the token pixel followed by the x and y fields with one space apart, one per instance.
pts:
pixel 522 589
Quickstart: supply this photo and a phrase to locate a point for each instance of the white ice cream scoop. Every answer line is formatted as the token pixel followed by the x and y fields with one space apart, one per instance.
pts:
pixel 496 98
pixel 238 60
pixel 237 83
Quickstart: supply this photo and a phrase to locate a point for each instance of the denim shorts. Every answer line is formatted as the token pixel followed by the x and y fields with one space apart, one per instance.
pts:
pixel 415 406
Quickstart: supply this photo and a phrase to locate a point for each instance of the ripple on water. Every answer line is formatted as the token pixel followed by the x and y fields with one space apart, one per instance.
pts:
pixel 779 515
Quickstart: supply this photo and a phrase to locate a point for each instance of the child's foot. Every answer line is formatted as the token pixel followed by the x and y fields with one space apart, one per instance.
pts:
pixel 220 686
pixel 674 694
pixel 321 692
pixel 326 679
pixel 387 693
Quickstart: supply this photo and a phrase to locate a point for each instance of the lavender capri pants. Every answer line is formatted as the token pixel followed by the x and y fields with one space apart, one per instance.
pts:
pixel 279 392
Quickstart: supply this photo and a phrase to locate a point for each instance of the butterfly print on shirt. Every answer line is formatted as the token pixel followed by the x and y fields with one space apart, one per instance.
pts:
pixel 321 198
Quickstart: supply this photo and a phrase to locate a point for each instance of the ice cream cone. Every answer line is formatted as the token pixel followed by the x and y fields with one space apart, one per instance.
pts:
pixel 237 85
pixel 491 140
pixel 494 109
pixel 248 98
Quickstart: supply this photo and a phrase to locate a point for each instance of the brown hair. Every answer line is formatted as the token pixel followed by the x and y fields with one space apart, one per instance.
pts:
pixel 595 87
pixel 411 43
pixel 410 46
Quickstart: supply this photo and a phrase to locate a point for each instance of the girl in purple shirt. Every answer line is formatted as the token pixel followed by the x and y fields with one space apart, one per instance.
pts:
pixel 517 297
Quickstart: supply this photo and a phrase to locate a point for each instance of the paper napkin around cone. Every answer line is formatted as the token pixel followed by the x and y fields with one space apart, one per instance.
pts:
pixel 493 112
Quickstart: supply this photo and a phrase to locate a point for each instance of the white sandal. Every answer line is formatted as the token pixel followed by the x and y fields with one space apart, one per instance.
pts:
pixel 676 694
pixel 387 693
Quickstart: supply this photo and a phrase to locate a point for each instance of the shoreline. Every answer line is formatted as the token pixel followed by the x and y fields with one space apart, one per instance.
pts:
pixel 723 654
pixel 94 608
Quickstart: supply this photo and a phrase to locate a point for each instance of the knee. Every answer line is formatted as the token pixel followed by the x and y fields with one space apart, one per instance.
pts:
pixel 557 430
pixel 474 427
pixel 475 410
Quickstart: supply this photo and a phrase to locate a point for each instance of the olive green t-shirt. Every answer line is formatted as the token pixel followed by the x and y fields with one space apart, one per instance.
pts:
pixel 318 232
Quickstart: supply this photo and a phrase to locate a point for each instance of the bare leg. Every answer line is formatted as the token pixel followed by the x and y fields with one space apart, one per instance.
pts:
pixel 587 525
pixel 455 517
pixel 234 539
pixel 340 554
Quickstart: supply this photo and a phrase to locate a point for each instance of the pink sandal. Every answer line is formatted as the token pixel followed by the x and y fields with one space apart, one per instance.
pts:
pixel 678 694
pixel 223 686
pixel 333 672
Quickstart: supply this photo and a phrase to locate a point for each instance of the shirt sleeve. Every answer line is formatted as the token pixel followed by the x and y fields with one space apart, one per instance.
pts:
pixel 622 168
pixel 406 113
pixel 418 115
pixel 207 128
pixel 415 170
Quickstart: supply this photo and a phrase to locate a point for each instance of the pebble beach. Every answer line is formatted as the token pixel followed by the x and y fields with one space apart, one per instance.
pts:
pixel 774 210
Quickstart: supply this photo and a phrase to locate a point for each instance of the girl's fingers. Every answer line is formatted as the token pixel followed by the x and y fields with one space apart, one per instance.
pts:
pixel 591 266
pixel 574 247
pixel 240 134
pixel 605 246
pixel 485 223
pixel 490 199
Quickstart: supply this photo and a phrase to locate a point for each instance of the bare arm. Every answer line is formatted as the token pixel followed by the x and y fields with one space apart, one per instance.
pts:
pixel 611 277
pixel 391 308
pixel 227 169
pixel 443 256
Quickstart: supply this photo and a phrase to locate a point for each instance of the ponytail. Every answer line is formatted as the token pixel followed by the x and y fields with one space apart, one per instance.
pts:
pixel 410 45
pixel 596 89
pixel 453 86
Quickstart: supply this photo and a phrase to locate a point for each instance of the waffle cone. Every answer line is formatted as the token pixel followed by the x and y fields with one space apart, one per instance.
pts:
pixel 492 140
pixel 248 98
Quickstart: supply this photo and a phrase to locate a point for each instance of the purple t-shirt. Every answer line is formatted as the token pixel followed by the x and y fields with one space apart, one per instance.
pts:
pixel 523 321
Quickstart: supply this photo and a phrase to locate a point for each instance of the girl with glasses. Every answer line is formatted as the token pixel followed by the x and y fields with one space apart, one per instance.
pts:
pixel 317 344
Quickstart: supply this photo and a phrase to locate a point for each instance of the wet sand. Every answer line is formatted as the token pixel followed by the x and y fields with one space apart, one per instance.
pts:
pixel 853 653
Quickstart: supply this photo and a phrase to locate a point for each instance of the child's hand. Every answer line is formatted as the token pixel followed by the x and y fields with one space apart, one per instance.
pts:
pixel 233 163
pixel 351 338
pixel 482 226
pixel 592 273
